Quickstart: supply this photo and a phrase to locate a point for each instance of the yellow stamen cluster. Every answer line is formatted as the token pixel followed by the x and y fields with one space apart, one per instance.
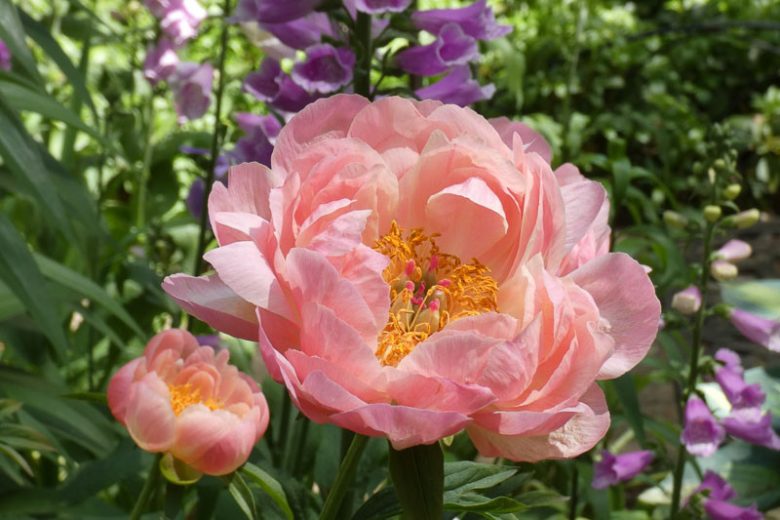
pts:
pixel 184 396
pixel 428 289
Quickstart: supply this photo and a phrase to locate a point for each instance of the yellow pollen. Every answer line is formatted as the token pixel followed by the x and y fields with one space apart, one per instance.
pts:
pixel 184 396
pixel 428 289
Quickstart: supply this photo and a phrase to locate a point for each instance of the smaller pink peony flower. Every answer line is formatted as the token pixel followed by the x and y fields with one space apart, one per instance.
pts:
pixel 184 399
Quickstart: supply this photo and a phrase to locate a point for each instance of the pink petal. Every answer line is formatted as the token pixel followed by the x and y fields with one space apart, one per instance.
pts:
pixel 209 299
pixel 532 141
pixel 630 307
pixel 576 436
pixel 119 389
pixel 248 190
pixel 149 417
pixel 392 122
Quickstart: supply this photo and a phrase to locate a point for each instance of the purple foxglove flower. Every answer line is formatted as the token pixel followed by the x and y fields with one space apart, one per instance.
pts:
pixel 756 328
pixel 752 425
pixel 451 48
pixel 275 87
pixel 377 6
pixel 612 469
pixel 457 87
pixel 734 251
pixel 181 19
pixel 5 56
pixel 193 150
pixel 477 20
pixel 194 200
pixel 722 510
pixel 158 7
pixel 325 70
pixel 303 32
pixel 210 340
pixel 730 359
pixel 258 143
pixel 718 488
pixel 191 85
pixel 161 61
pixel 738 392
pixel 273 11
pixel 687 301
pixel 702 434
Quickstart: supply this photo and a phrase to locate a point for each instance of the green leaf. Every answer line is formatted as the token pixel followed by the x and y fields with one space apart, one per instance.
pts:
pixel 23 98
pixel 625 389
pixel 418 476
pixel 44 39
pixel 479 504
pixel 10 305
pixel 270 485
pixel 379 506
pixel 23 158
pixel 12 33
pixel 242 495
pixel 19 272
pixel 463 476
pixel 66 277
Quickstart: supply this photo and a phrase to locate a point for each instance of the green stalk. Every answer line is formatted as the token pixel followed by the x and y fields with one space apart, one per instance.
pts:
pixel 693 367
pixel 143 177
pixel 344 478
pixel 149 486
pixel 362 71
pixel 209 180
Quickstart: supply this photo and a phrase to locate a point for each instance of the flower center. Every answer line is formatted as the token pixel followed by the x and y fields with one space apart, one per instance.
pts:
pixel 184 396
pixel 428 290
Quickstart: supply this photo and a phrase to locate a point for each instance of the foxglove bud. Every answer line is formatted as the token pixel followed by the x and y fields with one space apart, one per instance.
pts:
pixel 687 301
pixel 723 270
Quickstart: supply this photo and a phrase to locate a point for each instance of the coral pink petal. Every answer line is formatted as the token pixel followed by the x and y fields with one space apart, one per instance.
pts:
pixel 576 436
pixel 249 273
pixel 214 442
pixel 209 299
pixel 324 119
pixel 341 235
pixel 402 425
pixel 248 189
pixel 232 227
pixel 532 140
pixel 149 417
pixel 390 123
pixel 583 202
pixel 438 393
pixel 119 389
pixel 630 307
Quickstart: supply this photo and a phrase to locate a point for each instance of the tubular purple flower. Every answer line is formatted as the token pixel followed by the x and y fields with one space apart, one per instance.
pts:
pixel 687 301
pixel 730 359
pixel 734 251
pixel 191 85
pixel 5 56
pixel 303 32
pixel 271 11
pixel 702 434
pixel 257 144
pixel 738 392
pixel 180 20
pixel 612 469
pixel 161 61
pixel 757 329
pixel 325 70
pixel 716 485
pixel 722 510
pixel 752 425
pixel 275 87
pixel 377 6
pixel 452 47
pixel 194 201
pixel 457 87
pixel 477 20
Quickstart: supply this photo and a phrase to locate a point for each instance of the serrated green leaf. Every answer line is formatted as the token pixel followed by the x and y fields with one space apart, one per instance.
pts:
pixel 463 476
pixel 270 485
pixel 479 504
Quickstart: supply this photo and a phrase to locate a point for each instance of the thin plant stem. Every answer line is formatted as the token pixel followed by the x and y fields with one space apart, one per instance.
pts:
pixel 215 138
pixel 344 478
pixel 143 177
pixel 693 367
pixel 149 486
pixel 363 65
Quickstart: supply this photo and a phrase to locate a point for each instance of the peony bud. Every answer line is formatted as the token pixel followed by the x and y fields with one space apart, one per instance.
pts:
pixel 712 213
pixel 687 301
pixel 675 220
pixel 732 191
pixel 723 271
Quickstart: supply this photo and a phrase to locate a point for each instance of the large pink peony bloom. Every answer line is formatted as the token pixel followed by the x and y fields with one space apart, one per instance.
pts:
pixel 183 399
pixel 411 269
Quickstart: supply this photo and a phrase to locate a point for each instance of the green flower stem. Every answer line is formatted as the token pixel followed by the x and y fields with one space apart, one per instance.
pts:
pixel 693 367
pixel 362 72
pixel 215 138
pixel 149 486
pixel 344 478
pixel 143 175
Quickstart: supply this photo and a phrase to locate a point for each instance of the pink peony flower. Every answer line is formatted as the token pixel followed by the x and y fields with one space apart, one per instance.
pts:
pixel 183 399
pixel 410 271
